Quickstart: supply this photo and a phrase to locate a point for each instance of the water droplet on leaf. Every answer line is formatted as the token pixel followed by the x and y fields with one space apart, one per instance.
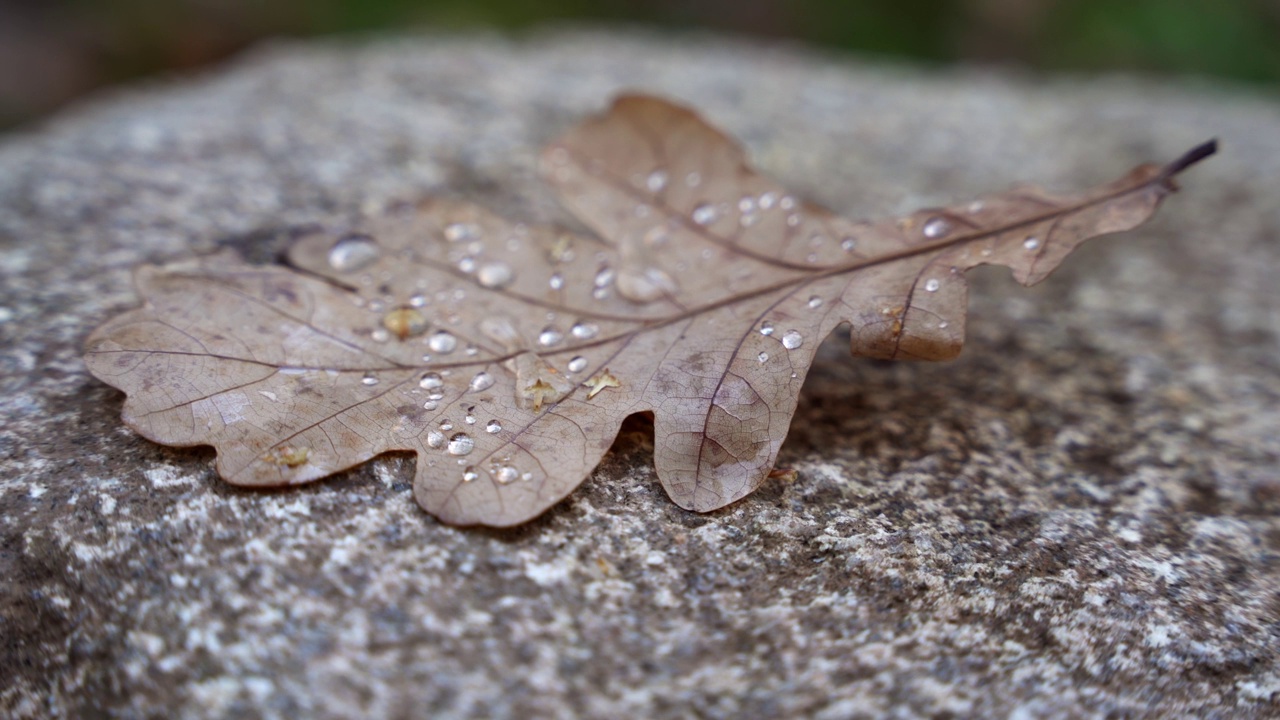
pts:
pixel 932 285
pixel 369 379
pixel 495 275
pixel 482 381
pixel 792 340
pixel 549 336
pixel 1031 243
pixel 936 227
pixel 352 253
pixel 461 444
pixel 584 331
pixel 704 214
pixel 578 364
pixel 493 427
pixel 442 342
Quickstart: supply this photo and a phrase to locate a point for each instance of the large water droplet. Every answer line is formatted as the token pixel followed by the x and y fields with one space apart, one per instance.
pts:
pixel 932 285
pixel 766 328
pixel 369 379
pixel 493 427
pixel 482 381
pixel 461 444
pixel 495 275
pixel 584 331
pixel 1031 243
pixel 549 336
pixel 352 253
pixel 435 439
pixel 578 364
pixel 442 342
pixel 431 381
pixel 459 232
pixel 936 227
pixel 792 340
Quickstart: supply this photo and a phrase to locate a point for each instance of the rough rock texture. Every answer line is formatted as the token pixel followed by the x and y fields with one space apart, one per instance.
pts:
pixel 1079 518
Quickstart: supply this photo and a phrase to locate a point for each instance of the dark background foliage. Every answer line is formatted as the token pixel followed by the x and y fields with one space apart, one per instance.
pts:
pixel 54 50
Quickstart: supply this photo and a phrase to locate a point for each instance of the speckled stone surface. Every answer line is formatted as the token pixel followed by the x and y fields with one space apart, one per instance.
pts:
pixel 1078 518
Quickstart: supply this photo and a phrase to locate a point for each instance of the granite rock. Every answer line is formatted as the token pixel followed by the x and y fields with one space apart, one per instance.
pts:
pixel 1080 517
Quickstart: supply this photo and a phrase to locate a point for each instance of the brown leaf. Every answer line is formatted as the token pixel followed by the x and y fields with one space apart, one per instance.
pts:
pixel 506 356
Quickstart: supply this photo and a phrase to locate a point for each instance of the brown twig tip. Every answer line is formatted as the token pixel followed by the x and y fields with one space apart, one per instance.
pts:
pixel 1190 157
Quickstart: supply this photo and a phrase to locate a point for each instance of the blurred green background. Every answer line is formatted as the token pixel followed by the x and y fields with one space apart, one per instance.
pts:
pixel 54 50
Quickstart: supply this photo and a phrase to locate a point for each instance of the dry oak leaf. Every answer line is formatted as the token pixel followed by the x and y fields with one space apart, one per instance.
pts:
pixel 506 356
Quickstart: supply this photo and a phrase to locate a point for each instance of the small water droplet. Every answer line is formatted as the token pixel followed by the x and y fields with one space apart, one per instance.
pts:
pixel 461 444
pixel 792 340
pixel 768 199
pixel 470 474
pixel 443 342
pixel 584 331
pixel 482 381
pixel 815 302
pixel 943 325
pixel 472 351
pixel 352 253
pixel 426 358
pixel 976 206
pixel 418 300
pixel 493 427
pixel 766 328
pixel 431 405
pixel 495 274
pixel 467 264
pixel 704 214
pixel 605 277
pixel 817 239
pixel 556 282
pixel 936 227
pixel 1031 243
pixel 693 179
pixel 377 306
pixel 369 379
pixel 431 381
pixel 380 335
pixel 793 220
pixel 848 244
pixel 656 180
pixel 932 285
pixel 787 202
pixel 763 357
pixel 469 419
pixel 549 336
pixel 578 364
pixel 435 439
pixel 459 232
pixel 746 204
pixel 446 425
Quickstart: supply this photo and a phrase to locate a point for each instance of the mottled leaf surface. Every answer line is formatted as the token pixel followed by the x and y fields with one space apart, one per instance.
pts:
pixel 506 356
